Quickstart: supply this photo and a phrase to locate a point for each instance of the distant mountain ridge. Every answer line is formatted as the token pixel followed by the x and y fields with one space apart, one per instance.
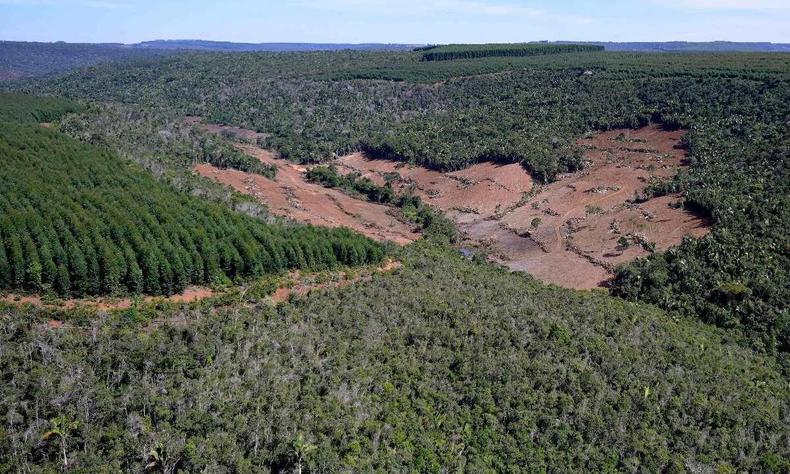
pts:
pixel 687 46
pixel 21 60
pixel 272 47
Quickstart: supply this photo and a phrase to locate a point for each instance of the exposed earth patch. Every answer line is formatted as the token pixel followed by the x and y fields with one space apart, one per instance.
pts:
pixel 292 196
pixel 572 232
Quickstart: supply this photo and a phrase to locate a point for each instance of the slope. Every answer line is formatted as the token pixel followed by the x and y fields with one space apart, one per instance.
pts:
pixel 77 220
pixel 444 365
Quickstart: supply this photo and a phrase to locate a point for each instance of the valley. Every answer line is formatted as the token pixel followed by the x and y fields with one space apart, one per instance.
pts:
pixel 572 232
pixel 532 257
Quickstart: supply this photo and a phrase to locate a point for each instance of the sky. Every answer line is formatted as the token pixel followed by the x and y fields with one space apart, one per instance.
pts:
pixel 395 21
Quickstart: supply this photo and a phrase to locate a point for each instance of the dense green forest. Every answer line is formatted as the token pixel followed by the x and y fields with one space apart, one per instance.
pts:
pixel 25 108
pixel 738 276
pixel 473 51
pixel 450 114
pixel 446 365
pixel 77 220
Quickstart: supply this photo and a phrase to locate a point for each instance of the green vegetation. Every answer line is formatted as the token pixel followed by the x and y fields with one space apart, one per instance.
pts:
pixel 79 221
pixel 353 183
pixel 737 277
pixel 450 114
pixel 24 108
pixel 447 364
pixel 444 366
pixel 157 138
pixel 473 51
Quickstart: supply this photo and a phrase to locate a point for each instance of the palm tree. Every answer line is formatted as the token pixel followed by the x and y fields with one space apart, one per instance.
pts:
pixel 302 449
pixel 62 428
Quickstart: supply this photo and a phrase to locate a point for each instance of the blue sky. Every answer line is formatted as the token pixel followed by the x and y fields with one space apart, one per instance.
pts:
pixel 395 21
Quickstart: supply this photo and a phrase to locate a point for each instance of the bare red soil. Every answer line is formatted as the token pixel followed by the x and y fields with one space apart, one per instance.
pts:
pixel 572 232
pixel 192 293
pixel 292 196
pixel 483 189
pixel 567 232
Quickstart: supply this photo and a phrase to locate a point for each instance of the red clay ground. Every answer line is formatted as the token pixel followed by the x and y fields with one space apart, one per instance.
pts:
pixel 572 232
pixel 582 216
pixel 292 196
pixel 483 189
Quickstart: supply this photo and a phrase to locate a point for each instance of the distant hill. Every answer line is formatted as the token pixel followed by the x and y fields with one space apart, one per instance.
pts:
pixel 670 46
pixel 20 60
pixel 682 46
pixel 273 47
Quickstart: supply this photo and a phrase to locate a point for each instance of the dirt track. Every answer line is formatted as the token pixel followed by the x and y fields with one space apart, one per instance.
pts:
pixel 304 284
pixel 192 293
pixel 296 285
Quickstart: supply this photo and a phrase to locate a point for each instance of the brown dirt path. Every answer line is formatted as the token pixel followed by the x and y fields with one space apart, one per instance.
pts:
pixel 302 284
pixel 192 293
pixel 297 284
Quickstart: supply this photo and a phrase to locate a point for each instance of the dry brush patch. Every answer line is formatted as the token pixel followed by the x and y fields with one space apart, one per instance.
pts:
pixel 189 295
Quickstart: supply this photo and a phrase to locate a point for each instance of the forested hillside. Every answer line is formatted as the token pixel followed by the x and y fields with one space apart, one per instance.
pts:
pixel 446 365
pixel 472 51
pixel 450 114
pixel 76 220
pixel 204 45
pixel 19 59
pixel 686 46
pixel 25 108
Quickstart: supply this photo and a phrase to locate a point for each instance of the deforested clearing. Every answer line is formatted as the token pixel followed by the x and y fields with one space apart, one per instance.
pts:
pixel 571 232
pixel 292 196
